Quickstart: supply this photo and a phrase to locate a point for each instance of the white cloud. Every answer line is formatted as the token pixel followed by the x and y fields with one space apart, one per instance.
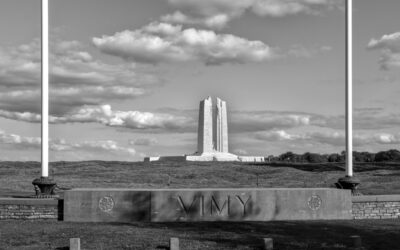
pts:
pixel 217 21
pixel 389 45
pixel 386 138
pixel 332 137
pixel 108 146
pixel 300 51
pixel 266 120
pixel 21 116
pixel 76 79
pixel 144 142
pixel 278 135
pixel 240 151
pixel 20 65
pixel 103 146
pixel 130 119
pixel 217 13
pixel 162 42
pixel 19 141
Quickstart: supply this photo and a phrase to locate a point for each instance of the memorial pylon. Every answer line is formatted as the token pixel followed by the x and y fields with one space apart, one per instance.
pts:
pixel 212 137
pixel 212 134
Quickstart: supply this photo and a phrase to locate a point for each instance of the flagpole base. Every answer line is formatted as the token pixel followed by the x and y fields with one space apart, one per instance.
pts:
pixel 349 182
pixel 44 187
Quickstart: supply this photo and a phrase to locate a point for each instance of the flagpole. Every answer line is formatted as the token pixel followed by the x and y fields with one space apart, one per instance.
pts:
pixel 44 186
pixel 45 88
pixel 349 181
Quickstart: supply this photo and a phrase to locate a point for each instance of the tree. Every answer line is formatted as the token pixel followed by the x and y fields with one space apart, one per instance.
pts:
pixel 390 155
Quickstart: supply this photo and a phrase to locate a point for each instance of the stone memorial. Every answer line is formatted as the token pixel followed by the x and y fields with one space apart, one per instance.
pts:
pixel 251 204
pixel 212 137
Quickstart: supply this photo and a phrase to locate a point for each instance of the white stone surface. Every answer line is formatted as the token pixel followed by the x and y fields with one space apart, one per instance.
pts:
pixel 212 127
pixel 152 158
pixel 220 125
pixel 205 127
pixel 212 137
pixel 251 158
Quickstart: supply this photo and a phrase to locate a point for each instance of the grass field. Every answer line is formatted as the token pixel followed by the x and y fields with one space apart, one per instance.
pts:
pixel 16 177
pixel 310 235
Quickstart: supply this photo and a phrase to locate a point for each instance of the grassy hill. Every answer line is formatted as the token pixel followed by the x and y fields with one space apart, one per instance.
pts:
pixel 16 177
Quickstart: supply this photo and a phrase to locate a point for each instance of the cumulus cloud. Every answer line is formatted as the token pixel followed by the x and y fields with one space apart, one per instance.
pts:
pixel 218 21
pixel 277 135
pixel 21 116
pixel 144 142
pixel 109 146
pixel 300 51
pixel 329 137
pixel 19 141
pixel 242 121
pixel 130 119
pixel 76 79
pixel 217 13
pixel 20 65
pixel 387 138
pixel 25 142
pixel 240 151
pixel 389 45
pixel 163 42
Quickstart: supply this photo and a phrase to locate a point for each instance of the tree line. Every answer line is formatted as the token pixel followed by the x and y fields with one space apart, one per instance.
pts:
pixel 392 155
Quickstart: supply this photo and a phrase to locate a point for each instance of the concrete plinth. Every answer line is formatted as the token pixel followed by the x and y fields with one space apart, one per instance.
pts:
pixel 44 187
pixel 349 182
pixel 129 205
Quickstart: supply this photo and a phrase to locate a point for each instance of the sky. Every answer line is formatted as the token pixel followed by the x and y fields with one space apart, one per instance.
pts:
pixel 127 76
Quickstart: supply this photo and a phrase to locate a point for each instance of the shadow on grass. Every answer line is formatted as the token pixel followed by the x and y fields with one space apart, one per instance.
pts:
pixel 311 167
pixel 289 235
pixel 163 247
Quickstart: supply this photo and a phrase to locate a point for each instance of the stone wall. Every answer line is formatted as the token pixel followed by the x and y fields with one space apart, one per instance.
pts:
pixel 206 204
pixel 363 207
pixel 30 209
pixel 376 207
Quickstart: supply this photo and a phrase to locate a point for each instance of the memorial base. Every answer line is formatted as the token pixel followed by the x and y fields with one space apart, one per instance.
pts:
pixel 349 182
pixel 248 204
pixel 44 187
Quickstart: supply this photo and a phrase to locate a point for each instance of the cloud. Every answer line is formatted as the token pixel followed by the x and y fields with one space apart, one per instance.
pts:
pixel 217 13
pixel 300 51
pixel 387 138
pixel 21 116
pixel 61 145
pixel 20 65
pixel 18 141
pixel 76 79
pixel 242 121
pixel 218 21
pixel 20 101
pixel 280 8
pixel 108 146
pixel 331 137
pixel 163 42
pixel 144 142
pixel 277 135
pixel 130 119
pixel 389 45
pixel 240 151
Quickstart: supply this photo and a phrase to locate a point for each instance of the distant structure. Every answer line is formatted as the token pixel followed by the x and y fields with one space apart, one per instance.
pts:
pixel 212 137
pixel 212 132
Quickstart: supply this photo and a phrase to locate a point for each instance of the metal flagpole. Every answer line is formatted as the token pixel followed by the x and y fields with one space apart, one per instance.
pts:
pixel 349 181
pixel 44 186
pixel 45 88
